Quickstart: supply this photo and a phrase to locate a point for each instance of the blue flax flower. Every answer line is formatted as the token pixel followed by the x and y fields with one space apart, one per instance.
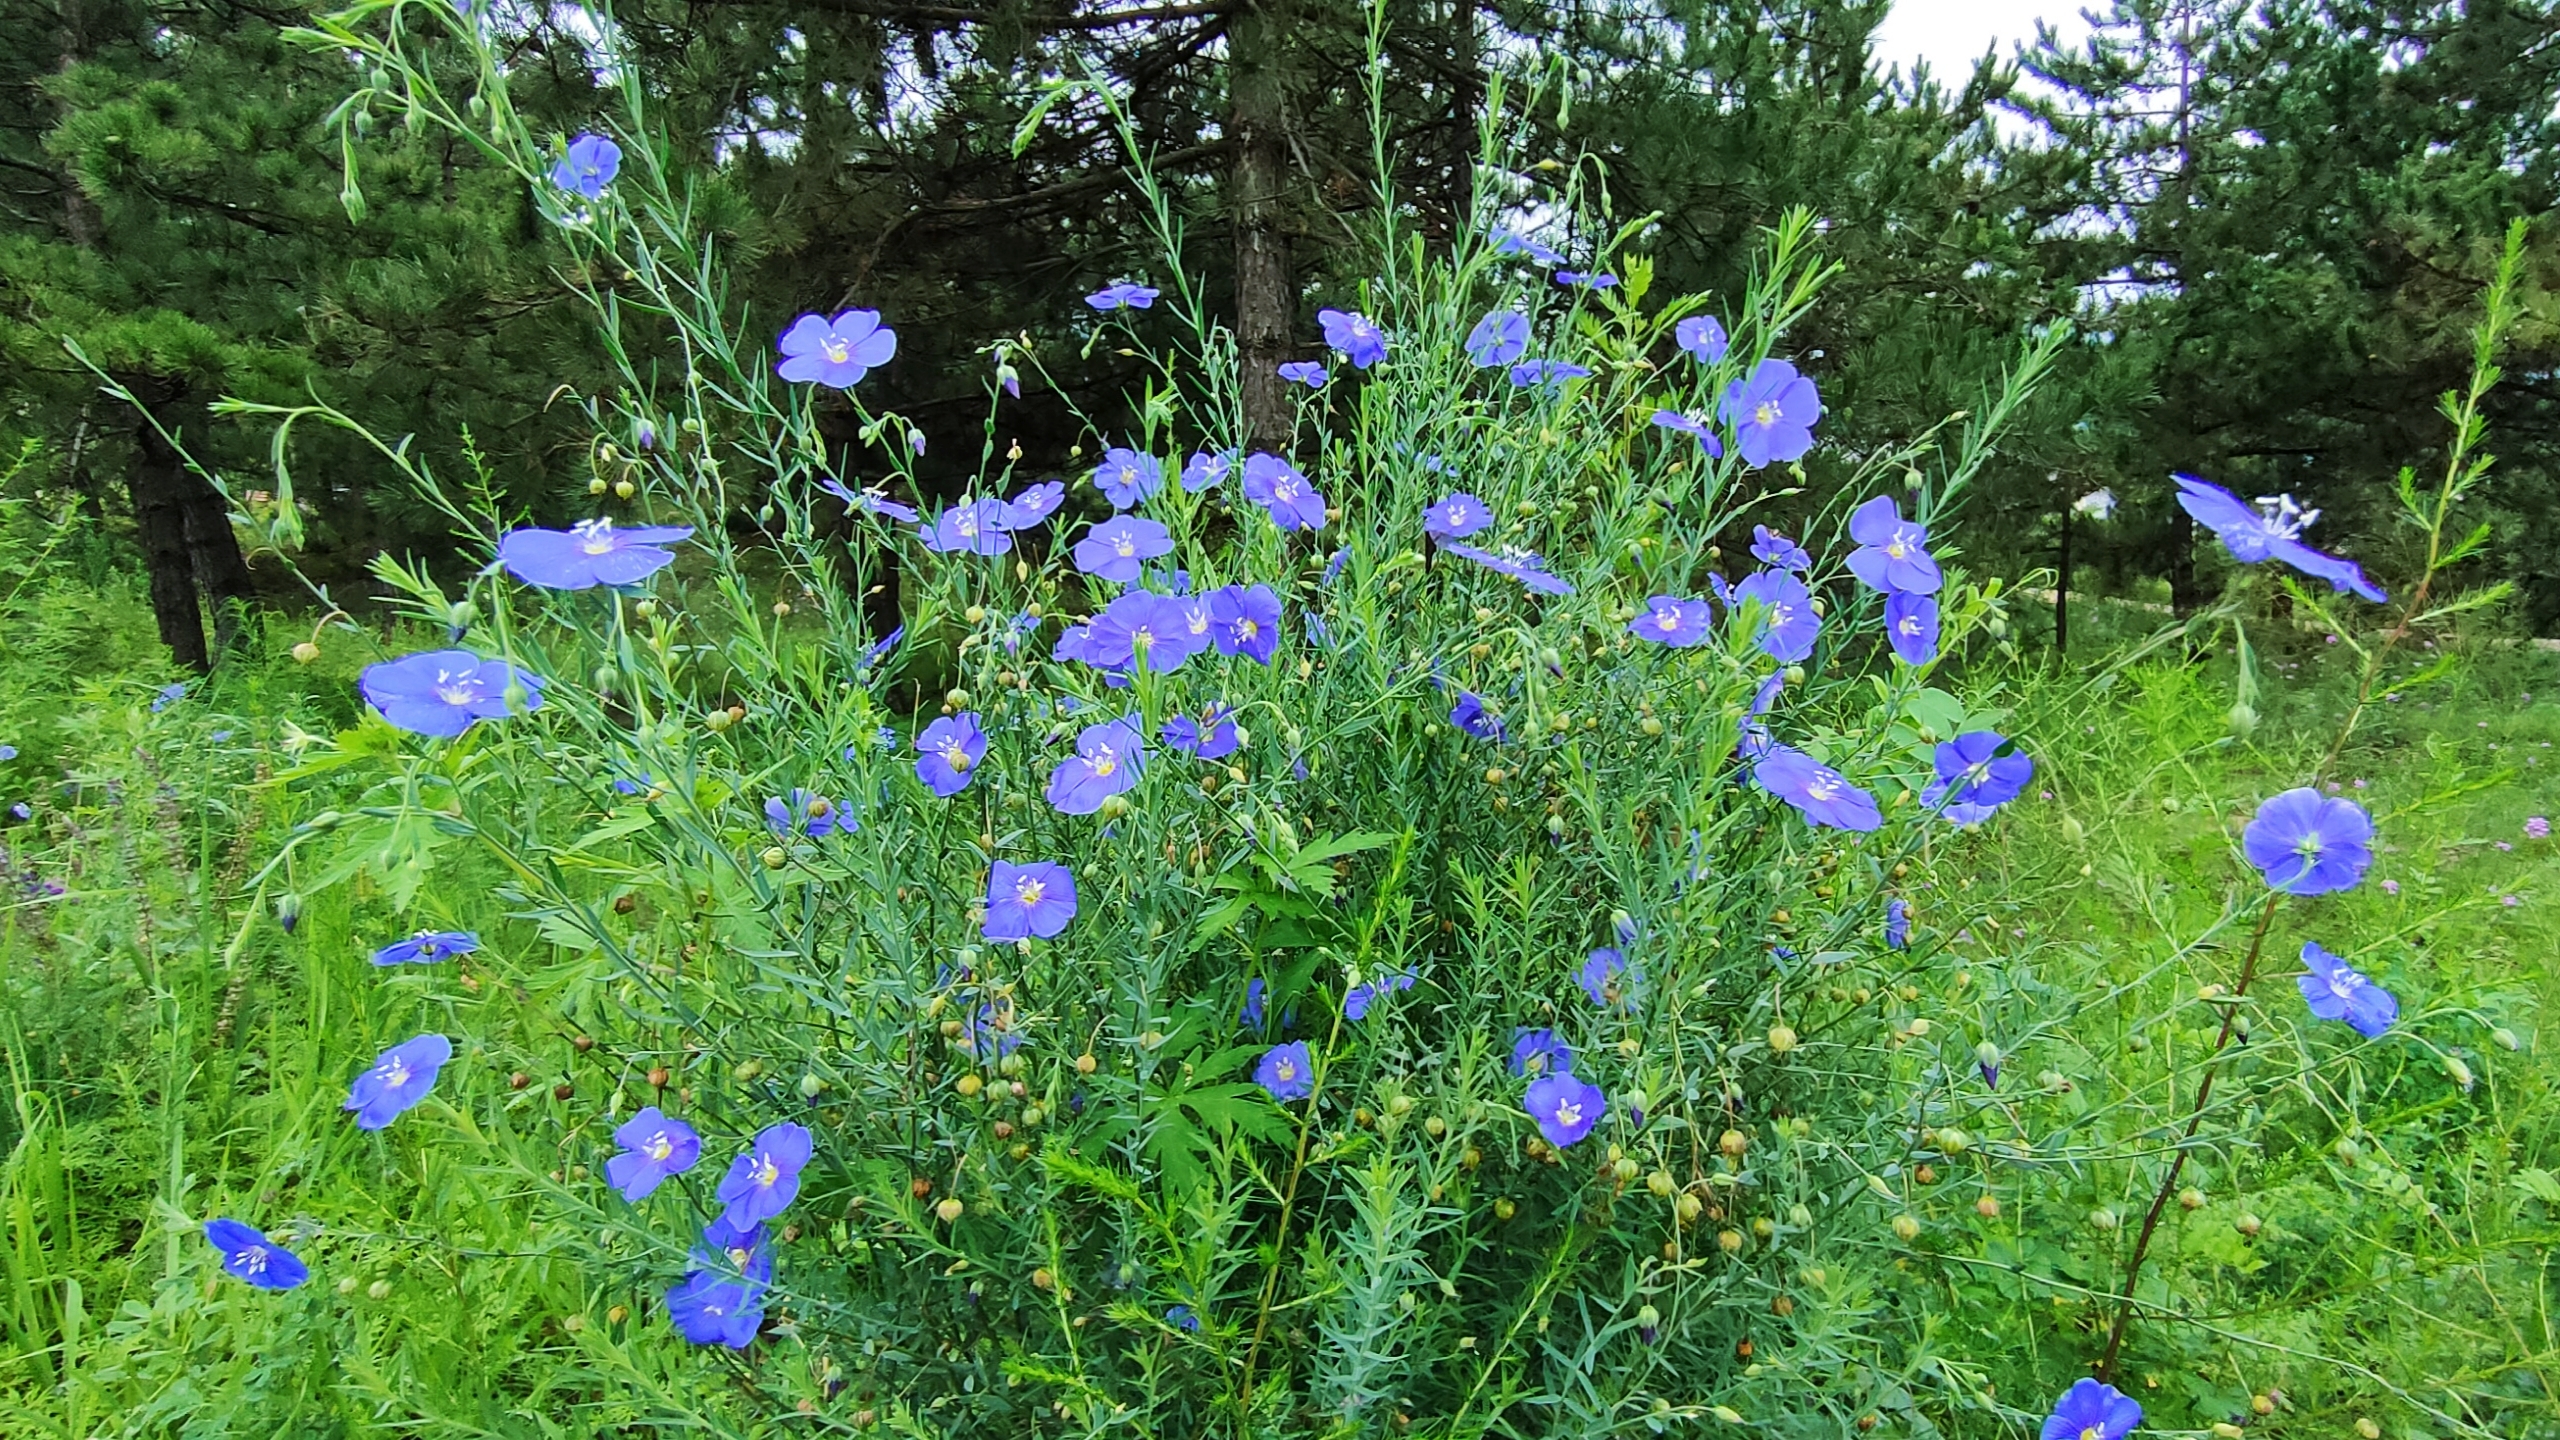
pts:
pixel 589 553
pixel 1547 373
pixel 1823 795
pixel 1250 1017
pixel 765 1177
pixel 442 693
pixel 1357 1000
pixel 1897 923
pixel 1142 629
pixel 1123 296
pixel 1354 335
pixel 1276 486
pixel 249 1255
pixel 1287 1071
pixel 2336 990
pixel 587 166
pixel 1205 469
pixel 1777 551
pixel 1911 624
pixel 1610 981
pixel 1788 625
pixel 1470 715
pixel 1180 1317
pixel 2092 1410
pixel 1670 620
pixel 1126 477
pixel 805 812
pixel 709 1310
pixel 972 527
pixel 1521 565
pixel 1754 741
pixel 1703 337
pixel 1456 517
pixel 1974 778
pixel 1119 548
pixel 1501 337
pixel 427 947
pixel 1587 279
pixel 837 352
pixel 2307 843
pixel 2270 531
pixel 399 1078
pixel 1211 737
pixel 654 1145
pixel 1304 372
pixel 170 694
pixel 1035 504
pixel 1507 243
pixel 1565 1107
pixel 1772 412
pixel 870 502
pixel 1110 758
pixel 949 751
pixel 1246 621
pixel 1695 429
pixel 1892 552
pixel 1540 1052
pixel 1025 902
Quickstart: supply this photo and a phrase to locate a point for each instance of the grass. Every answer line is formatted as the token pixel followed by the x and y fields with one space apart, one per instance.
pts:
pixel 170 1057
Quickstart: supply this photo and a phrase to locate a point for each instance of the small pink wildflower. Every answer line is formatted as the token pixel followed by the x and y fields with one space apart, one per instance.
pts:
pixel 2390 887
pixel 2537 827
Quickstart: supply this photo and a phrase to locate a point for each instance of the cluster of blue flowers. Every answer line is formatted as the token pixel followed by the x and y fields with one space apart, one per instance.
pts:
pixel 1154 624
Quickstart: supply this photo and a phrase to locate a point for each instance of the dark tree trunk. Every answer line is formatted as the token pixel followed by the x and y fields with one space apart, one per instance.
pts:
pixel 2185 597
pixel 1266 298
pixel 184 531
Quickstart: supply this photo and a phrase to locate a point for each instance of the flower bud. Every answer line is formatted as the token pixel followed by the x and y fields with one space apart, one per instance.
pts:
pixel 2191 1198
pixel 2249 1225
pixel 2103 1219
pixel 1988 1207
pixel 1688 1207
pixel 1648 1317
pixel 811 1086
pixel 624 489
pixel 1504 1209
pixel 379 1289
pixel 1782 1038
pixel 597 486
pixel 306 652
pixel 1729 1241
pixel 1906 1227
pixel 288 911
pixel 1661 1183
pixel 1086 1064
pixel 775 857
pixel 949 1209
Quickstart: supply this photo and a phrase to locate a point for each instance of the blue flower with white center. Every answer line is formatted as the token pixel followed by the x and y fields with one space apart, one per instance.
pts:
pixel 1126 477
pixel 951 748
pixel 441 693
pixel 1354 335
pixel 1110 759
pixel 1291 500
pixel 587 166
pixel 398 1079
pixel 1788 625
pixel 836 353
pixel 1122 296
pixel 589 553
pixel 1287 1071
pixel 1501 337
pixel 2336 990
pixel 764 1179
pixel 2272 530
pixel 1821 794
pixel 247 1254
pixel 1565 1107
pixel 427 947
pixel 1703 337
pixel 1671 620
pixel 1118 548
pixel 2307 843
pixel 654 1146
pixel 1893 553
pixel 1456 517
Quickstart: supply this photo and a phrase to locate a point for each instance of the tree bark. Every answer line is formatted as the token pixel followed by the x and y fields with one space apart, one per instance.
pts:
pixel 183 528
pixel 158 480
pixel 1266 298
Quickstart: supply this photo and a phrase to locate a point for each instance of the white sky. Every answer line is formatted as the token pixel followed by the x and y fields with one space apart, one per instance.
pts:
pixel 1952 34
